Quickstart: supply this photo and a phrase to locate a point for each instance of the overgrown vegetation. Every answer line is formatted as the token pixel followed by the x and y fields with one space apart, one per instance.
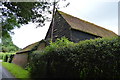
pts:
pixel 99 58
pixel 16 70
pixel 8 46
pixel 7 57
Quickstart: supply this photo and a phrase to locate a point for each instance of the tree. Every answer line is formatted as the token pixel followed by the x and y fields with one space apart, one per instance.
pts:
pixel 15 14
pixel 8 46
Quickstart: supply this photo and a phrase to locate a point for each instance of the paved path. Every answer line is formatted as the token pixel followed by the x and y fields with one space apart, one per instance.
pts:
pixel 0 70
pixel 4 74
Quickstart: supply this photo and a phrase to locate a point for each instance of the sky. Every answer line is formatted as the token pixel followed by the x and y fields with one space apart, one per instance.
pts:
pixel 100 12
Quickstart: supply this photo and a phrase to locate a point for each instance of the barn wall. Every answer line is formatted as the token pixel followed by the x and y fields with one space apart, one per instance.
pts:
pixel 61 28
pixel 21 59
pixel 77 36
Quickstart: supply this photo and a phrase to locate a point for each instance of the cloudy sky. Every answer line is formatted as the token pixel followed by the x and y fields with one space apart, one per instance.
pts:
pixel 103 13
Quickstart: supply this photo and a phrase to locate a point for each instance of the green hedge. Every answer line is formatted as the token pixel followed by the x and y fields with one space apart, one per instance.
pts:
pixel 1 55
pixel 7 57
pixel 99 58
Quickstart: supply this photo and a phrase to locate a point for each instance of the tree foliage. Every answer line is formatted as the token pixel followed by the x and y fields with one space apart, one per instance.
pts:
pixel 15 14
pixel 8 46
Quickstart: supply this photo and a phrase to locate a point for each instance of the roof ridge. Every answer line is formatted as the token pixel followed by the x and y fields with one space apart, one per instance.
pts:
pixel 36 44
pixel 63 13
pixel 31 44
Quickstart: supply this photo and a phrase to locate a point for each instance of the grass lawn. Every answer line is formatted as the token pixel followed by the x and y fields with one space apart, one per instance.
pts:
pixel 15 70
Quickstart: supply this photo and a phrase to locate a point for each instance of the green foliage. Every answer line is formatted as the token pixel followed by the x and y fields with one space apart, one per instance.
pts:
pixel 7 25
pixel 1 55
pixel 99 58
pixel 7 57
pixel 59 43
pixel 10 58
pixel 8 46
pixel 16 70
pixel 14 14
pixel 34 58
pixel 25 12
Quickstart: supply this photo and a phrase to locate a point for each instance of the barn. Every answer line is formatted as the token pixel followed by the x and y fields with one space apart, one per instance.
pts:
pixel 75 29
pixel 21 58
pixel 66 25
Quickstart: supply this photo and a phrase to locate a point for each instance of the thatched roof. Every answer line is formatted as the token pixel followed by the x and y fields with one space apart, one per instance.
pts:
pixel 31 47
pixel 86 26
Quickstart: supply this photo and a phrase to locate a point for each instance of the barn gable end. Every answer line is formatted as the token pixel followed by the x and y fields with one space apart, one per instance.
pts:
pixel 21 57
pixel 60 28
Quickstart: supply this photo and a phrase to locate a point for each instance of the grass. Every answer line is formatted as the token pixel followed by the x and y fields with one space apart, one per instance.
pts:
pixel 15 70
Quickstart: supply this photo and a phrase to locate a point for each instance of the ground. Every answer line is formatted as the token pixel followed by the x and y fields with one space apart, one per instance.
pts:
pixel 4 74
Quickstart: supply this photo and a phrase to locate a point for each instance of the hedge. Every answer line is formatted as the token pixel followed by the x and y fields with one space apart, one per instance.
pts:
pixel 7 57
pixel 1 55
pixel 89 59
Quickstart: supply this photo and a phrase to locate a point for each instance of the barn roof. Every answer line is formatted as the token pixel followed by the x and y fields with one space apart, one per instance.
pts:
pixel 30 47
pixel 86 26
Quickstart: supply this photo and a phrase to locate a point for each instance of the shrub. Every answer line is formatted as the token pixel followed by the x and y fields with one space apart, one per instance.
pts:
pixel 10 57
pixel 1 55
pixel 99 58
pixel 7 57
